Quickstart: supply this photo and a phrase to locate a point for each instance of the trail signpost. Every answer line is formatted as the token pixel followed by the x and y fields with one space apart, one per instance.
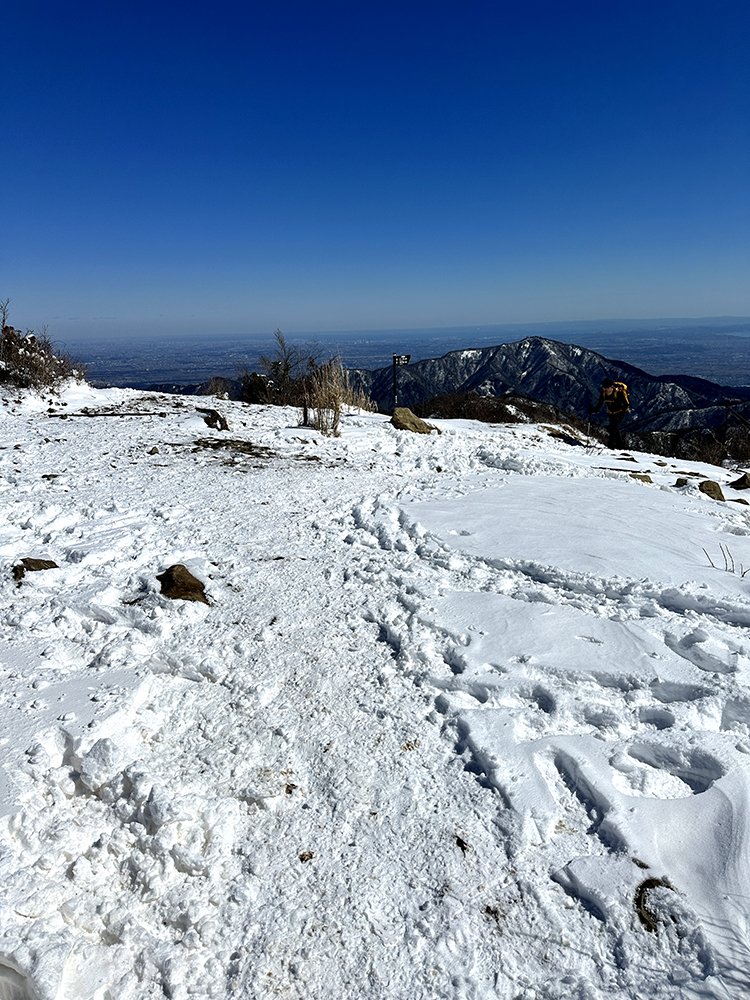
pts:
pixel 398 360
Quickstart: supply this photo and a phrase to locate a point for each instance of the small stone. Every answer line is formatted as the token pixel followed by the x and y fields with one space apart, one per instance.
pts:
pixel 642 477
pixel 28 565
pixel 743 483
pixel 214 419
pixel 681 481
pixel 179 584
pixel 153 451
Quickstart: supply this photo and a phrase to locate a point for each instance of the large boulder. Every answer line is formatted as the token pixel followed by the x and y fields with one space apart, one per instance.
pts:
pixel 711 489
pixel 404 420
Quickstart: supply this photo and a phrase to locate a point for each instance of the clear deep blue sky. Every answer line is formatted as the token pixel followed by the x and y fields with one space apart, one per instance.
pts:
pixel 352 165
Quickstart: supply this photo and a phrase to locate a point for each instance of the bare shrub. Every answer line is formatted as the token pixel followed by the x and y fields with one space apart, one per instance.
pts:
pixel 286 370
pixel 219 387
pixel 729 564
pixel 703 446
pixel 29 360
pixel 511 408
pixel 738 441
pixel 294 376
pixel 255 387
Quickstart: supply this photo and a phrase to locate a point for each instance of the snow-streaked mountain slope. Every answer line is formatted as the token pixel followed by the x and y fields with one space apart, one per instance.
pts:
pixel 468 715
pixel 563 375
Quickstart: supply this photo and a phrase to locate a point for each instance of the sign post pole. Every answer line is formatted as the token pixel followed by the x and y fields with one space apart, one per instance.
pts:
pixel 398 359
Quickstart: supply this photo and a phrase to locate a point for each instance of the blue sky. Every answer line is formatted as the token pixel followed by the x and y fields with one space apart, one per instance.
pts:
pixel 237 167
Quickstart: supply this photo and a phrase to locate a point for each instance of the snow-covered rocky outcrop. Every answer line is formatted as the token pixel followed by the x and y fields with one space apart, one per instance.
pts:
pixel 466 715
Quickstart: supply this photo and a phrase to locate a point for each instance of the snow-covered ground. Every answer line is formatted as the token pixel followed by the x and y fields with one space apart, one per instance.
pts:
pixel 467 716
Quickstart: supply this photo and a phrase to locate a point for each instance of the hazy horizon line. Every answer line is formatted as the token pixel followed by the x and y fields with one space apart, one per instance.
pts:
pixel 725 319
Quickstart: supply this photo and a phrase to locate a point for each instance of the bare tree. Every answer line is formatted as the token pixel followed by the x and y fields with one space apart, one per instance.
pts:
pixel 286 369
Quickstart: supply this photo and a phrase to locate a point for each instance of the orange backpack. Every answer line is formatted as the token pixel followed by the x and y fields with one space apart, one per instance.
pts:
pixel 621 394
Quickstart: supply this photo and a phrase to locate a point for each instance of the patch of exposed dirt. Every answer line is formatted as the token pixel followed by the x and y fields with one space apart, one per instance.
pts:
pixel 235 445
pixel 646 914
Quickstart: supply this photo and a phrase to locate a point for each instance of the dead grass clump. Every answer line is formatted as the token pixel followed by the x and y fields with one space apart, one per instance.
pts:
pixel 326 390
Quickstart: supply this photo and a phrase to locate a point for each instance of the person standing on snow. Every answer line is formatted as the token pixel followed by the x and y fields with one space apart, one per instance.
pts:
pixel 614 396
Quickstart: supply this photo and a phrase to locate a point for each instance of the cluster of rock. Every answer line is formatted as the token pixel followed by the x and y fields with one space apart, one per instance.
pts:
pixel 176 582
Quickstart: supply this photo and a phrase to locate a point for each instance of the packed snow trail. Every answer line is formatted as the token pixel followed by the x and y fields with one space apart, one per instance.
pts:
pixel 420 744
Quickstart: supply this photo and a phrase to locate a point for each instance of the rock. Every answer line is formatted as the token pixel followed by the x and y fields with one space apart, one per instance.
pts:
pixel 179 584
pixel 404 420
pixel 214 419
pixel 642 477
pixel 711 489
pixel 564 433
pixel 32 566
pixel 743 483
pixel 153 451
pixel 681 481
pixel 739 500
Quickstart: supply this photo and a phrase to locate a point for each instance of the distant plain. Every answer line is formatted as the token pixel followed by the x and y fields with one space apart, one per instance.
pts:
pixel 715 349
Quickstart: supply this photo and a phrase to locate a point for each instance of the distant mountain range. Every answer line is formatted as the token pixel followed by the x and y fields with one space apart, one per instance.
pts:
pixel 562 375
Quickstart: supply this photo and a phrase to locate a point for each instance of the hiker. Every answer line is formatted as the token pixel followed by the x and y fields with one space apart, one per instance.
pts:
pixel 614 396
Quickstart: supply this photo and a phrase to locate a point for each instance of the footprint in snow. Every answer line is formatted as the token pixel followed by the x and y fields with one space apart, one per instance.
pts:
pixel 659 772
pixel 707 652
